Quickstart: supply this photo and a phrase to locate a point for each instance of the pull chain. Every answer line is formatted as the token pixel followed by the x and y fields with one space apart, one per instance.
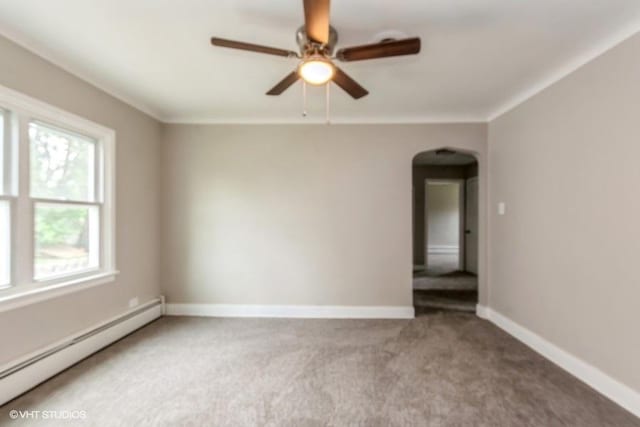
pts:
pixel 327 103
pixel 304 99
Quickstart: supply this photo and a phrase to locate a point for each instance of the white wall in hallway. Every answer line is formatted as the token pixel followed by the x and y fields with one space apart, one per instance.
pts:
pixel 443 217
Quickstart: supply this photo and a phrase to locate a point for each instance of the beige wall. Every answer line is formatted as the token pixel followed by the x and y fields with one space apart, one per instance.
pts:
pixel 286 214
pixel 563 261
pixel 137 155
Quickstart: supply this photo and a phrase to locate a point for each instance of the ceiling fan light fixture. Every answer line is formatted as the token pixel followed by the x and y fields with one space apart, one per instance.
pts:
pixel 316 70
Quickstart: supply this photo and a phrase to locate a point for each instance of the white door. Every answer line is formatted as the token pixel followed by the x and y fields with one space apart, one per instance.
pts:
pixel 471 226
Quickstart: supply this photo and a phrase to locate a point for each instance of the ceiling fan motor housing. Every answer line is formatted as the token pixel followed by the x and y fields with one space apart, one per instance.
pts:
pixel 308 47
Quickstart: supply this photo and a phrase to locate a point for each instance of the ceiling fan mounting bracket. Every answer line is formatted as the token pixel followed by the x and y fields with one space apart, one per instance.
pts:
pixel 309 47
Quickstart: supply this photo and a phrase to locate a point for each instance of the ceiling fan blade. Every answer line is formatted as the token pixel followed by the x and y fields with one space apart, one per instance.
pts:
pixel 348 84
pixel 316 20
pixel 284 84
pixel 252 47
pixel 380 50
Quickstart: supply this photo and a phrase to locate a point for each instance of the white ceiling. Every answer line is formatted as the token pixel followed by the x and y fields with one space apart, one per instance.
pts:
pixel 479 57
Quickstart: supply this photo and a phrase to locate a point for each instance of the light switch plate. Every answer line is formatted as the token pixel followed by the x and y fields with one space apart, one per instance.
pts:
pixel 502 208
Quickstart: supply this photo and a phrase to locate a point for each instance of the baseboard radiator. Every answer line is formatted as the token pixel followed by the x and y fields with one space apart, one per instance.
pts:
pixel 24 374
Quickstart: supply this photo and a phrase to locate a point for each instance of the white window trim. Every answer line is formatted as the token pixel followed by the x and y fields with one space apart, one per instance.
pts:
pixel 28 291
pixel 5 243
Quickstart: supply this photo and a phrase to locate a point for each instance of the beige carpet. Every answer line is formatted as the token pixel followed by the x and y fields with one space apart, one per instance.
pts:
pixel 444 369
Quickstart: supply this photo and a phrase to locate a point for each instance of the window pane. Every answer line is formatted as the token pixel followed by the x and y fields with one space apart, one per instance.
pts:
pixel 5 239
pixel 2 152
pixel 62 164
pixel 66 239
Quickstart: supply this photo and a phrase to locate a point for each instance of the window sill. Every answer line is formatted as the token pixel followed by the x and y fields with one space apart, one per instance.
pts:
pixel 20 296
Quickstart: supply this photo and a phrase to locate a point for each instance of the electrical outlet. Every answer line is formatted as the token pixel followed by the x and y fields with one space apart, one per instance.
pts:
pixel 133 302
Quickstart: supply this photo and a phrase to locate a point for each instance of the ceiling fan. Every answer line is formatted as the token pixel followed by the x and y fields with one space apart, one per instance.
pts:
pixel 317 40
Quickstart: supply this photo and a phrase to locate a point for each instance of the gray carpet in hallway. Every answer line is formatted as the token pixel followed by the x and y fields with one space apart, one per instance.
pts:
pixel 442 273
pixel 440 264
pixel 442 369
pixel 457 280
pixel 456 300
pixel 442 286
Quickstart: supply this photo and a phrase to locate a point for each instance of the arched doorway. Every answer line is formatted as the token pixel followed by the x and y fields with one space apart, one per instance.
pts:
pixel 445 231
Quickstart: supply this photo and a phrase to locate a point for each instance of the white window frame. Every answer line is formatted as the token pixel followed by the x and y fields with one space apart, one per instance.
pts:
pixel 24 289
pixel 8 156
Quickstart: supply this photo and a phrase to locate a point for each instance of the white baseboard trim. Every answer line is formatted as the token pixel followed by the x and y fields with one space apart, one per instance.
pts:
pixel 443 249
pixel 620 393
pixel 482 311
pixel 292 311
pixel 72 349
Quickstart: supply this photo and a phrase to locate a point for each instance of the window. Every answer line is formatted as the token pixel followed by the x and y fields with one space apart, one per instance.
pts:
pixel 64 184
pixel 2 156
pixel 5 239
pixel 56 200
pixel 5 224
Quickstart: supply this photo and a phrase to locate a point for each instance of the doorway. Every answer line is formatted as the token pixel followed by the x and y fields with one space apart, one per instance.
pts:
pixel 445 225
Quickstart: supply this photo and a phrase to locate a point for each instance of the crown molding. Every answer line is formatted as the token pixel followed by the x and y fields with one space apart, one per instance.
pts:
pixel 334 121
pixel 568 68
